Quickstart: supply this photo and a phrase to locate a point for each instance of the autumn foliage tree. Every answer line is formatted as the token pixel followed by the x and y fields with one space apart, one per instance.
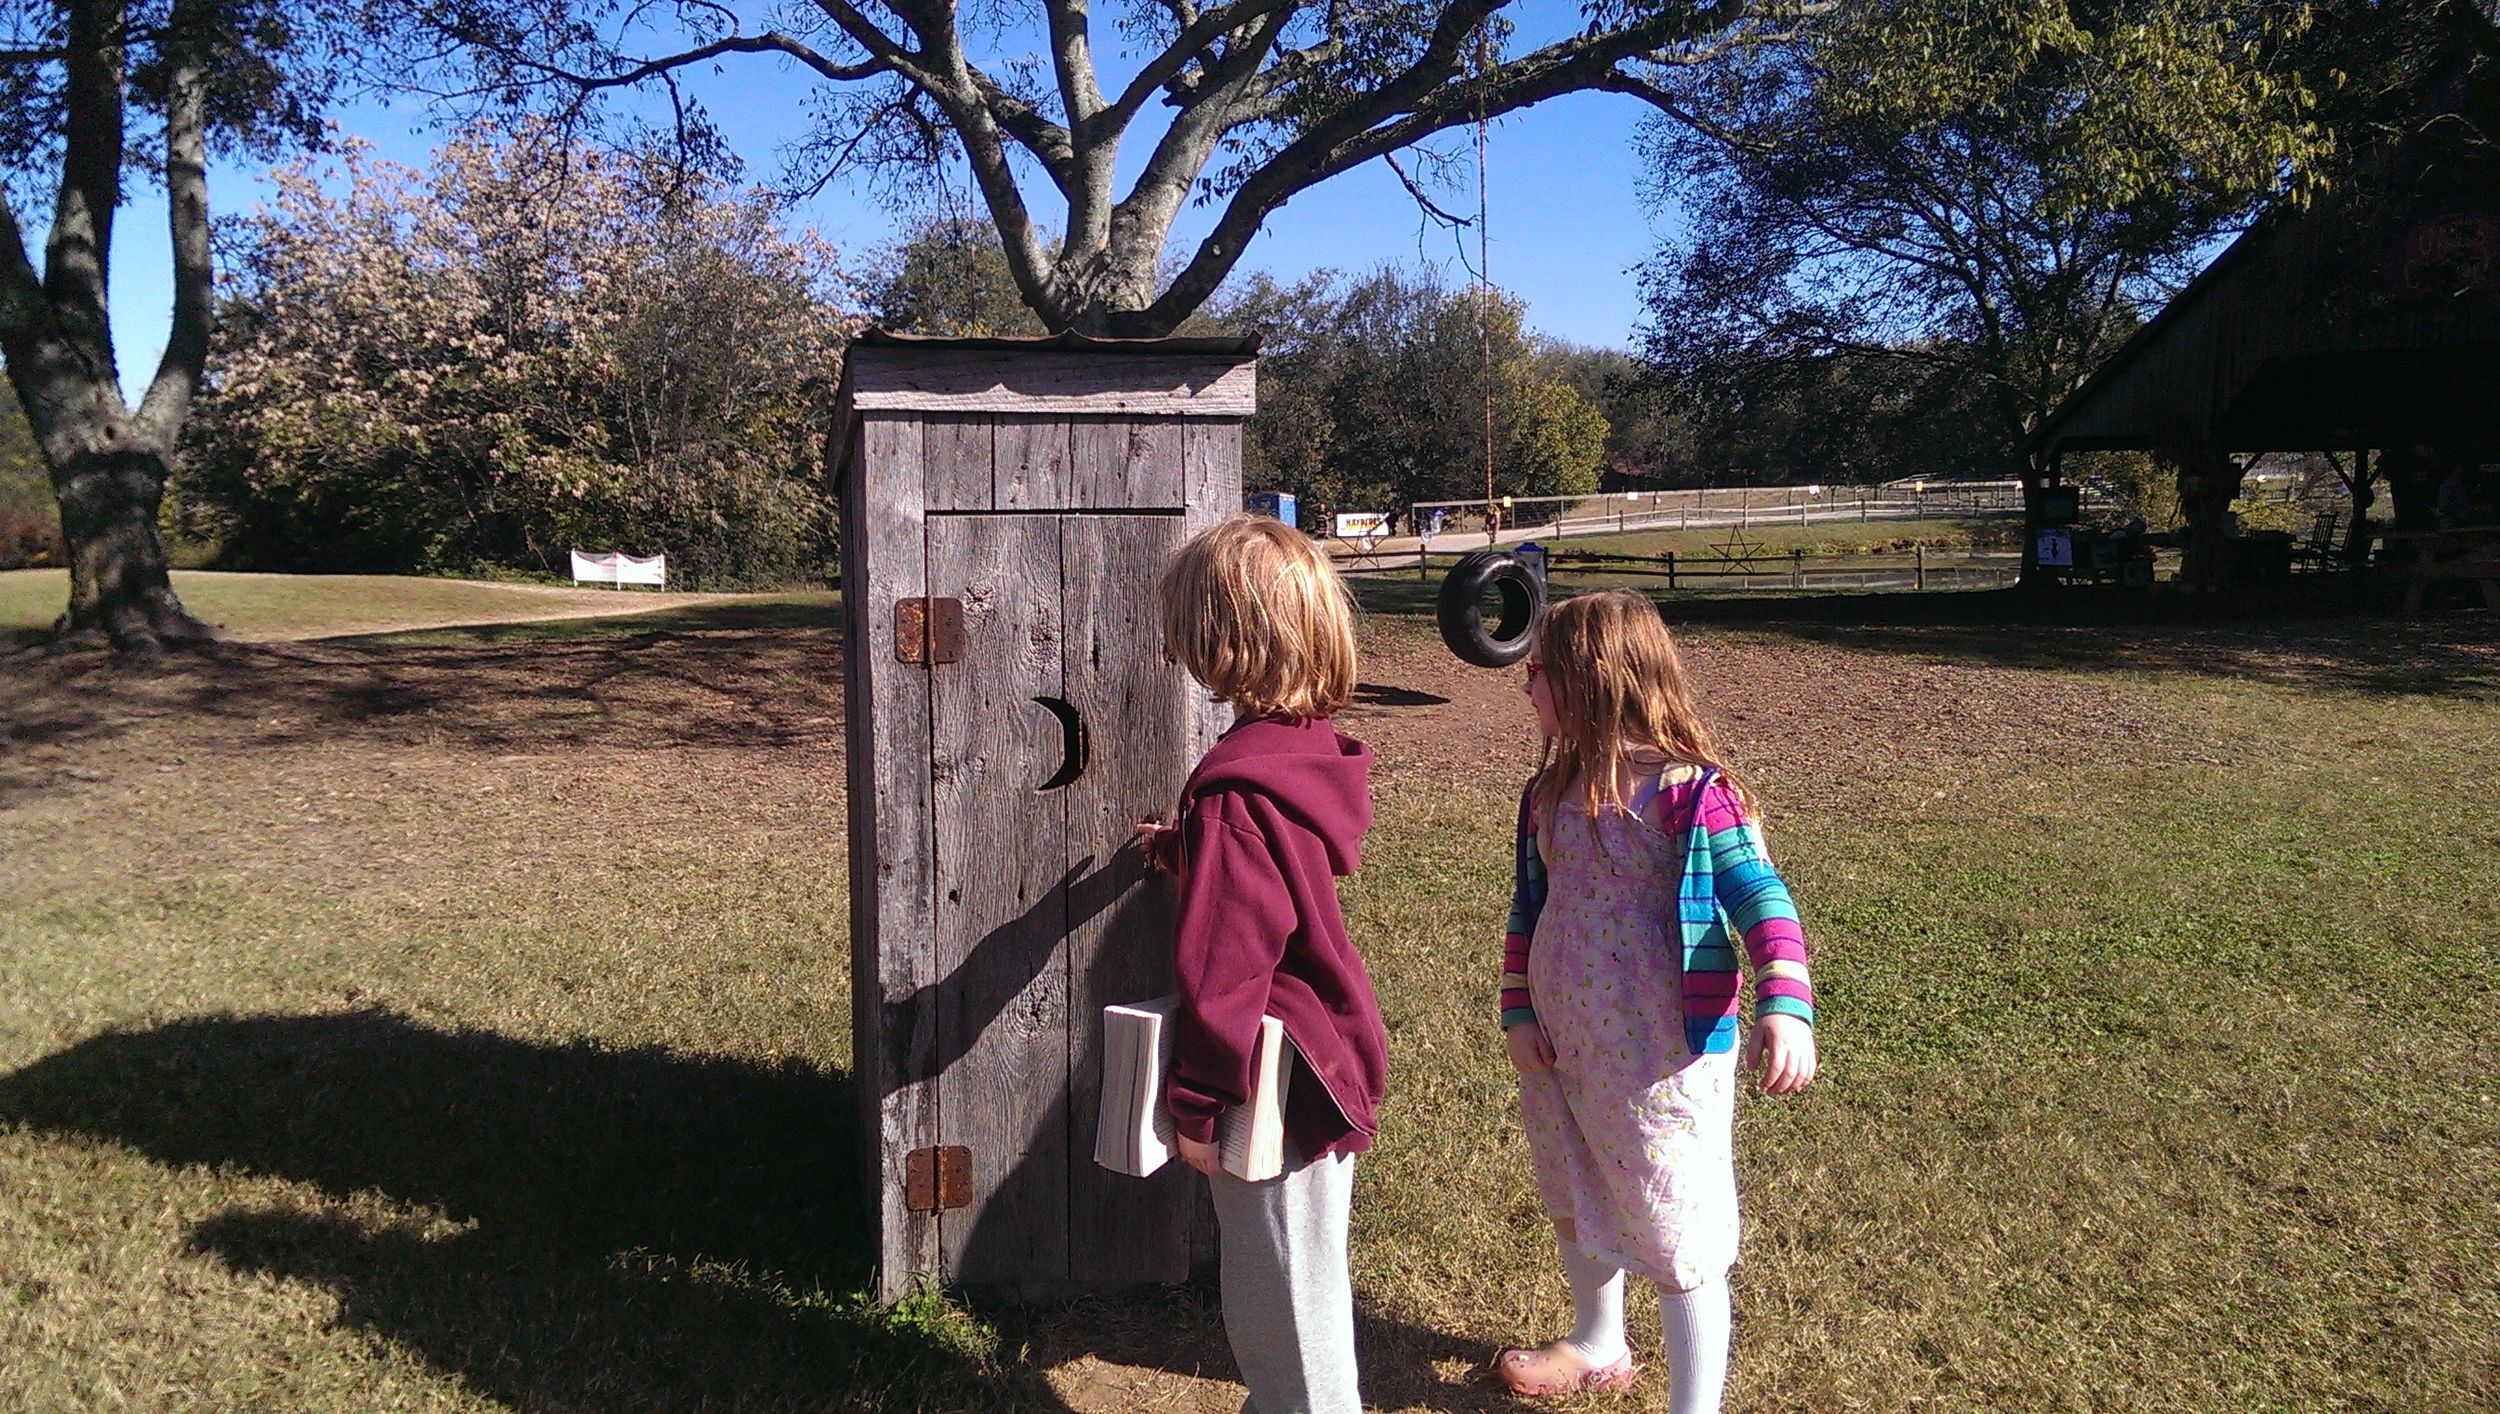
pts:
pixel 529 347
pixel 30 520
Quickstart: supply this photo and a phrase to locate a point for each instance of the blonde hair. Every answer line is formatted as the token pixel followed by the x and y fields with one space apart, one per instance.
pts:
pixel 1617 685
pixel 1256 612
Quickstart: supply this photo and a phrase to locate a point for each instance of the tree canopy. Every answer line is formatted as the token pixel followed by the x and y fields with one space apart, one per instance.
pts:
pixel 1251 101
pixel 1372 393
pixel 1988 192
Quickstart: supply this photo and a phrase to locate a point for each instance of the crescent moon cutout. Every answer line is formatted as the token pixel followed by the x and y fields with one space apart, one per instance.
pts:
pixel 1071 744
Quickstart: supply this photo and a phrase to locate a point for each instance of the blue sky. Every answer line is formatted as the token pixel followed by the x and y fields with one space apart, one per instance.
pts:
pixel 1568 226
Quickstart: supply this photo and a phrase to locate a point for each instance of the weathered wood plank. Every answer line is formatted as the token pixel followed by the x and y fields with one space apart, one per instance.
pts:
pixel 1211 461
pixel 960 460
pixel 1001 903
pixel 1211 471
pixel 1122 1231
pixel 893 883
pixel 966 381
pixel 1125 464
pixel 1155 472
pixel 1030 463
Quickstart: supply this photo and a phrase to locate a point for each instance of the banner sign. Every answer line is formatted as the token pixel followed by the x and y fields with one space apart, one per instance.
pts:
pixel 614 567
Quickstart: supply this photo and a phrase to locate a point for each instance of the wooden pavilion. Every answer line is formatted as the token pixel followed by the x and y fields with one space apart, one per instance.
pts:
pixel 2368 320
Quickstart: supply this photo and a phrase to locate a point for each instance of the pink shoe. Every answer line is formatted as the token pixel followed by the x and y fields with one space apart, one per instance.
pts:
pixel 1550 1370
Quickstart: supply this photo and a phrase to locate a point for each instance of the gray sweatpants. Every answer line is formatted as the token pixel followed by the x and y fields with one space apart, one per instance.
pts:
pixel 1288 1296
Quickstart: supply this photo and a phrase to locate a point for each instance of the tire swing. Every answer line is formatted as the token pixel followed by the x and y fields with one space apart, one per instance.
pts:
pixel 1489 570
pixel 1461 608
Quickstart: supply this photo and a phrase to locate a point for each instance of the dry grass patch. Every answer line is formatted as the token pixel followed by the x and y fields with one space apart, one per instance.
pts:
pixel 461 1023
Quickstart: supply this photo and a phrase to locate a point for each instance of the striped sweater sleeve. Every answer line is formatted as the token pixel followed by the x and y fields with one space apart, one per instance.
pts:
pixel 1758 905
pixel 1527 901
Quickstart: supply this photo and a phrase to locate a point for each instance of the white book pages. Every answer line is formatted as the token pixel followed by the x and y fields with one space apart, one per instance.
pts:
pixel 1135 1133
pixel 1252 1136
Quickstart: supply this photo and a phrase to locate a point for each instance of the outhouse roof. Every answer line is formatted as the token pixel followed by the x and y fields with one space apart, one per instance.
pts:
pixel 1070 375
pixel 1239 346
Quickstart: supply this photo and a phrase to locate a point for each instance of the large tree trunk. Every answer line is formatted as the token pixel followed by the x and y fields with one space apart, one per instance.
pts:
pixel 2364 486
pixel 2036 478
pixel 119 590
pixel 2209 482
pixel 108 465
pixel 109 471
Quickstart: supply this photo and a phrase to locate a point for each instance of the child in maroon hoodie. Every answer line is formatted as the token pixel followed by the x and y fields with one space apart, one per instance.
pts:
pixel 1272 815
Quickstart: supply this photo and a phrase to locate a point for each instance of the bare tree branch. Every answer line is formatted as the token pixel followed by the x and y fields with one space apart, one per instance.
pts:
pixel 1422 199
pixel 1198 31
pixel 168 398
pixel 79 252
pixel 1072 55
pixel 768 43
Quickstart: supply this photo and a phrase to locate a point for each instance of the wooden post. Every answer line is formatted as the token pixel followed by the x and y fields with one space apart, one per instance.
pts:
pixel 1922 567
pixel 1796 569
pixel 1670 569
pixel 1744 509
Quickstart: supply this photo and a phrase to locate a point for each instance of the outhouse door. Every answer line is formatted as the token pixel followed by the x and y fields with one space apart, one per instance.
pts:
pixel 1051 735
pixel 1007 510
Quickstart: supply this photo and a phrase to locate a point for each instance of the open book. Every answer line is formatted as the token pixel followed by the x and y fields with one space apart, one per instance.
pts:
pixel 1135 1135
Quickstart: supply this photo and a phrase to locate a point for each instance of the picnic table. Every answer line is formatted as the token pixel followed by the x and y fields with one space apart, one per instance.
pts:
pixel 2463 553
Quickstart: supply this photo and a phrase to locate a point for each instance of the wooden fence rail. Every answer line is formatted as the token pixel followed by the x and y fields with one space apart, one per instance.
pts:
pixel 1916 568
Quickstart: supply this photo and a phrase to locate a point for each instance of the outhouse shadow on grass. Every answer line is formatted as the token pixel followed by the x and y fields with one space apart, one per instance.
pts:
pixel 581 1227
pixel 586 1227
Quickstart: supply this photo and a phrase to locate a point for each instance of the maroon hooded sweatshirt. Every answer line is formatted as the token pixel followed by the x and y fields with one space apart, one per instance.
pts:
pixel 1269 820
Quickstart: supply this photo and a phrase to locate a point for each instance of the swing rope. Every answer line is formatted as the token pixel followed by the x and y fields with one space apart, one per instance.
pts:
pixel 1484 273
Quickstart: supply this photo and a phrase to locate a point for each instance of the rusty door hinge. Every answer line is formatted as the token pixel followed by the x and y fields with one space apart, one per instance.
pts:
pixel 938 1178
pixel 928 630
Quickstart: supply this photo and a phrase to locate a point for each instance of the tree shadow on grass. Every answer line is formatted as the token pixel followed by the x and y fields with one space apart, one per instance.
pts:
pixel 2325 632
pixel 2458 658
pixel 742 615
pixel 765 686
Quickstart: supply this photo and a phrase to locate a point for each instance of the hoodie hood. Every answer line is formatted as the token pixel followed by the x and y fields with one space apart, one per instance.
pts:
pixel 1319 779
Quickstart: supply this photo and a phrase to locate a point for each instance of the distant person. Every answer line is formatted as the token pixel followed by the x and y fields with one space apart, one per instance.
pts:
pixel 1620 1016
pixel 1272 816
pixel 2456 496
pixel 2412 474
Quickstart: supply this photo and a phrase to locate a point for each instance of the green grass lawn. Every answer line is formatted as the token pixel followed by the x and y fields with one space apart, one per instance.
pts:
pixel 305 605
pixel 456 1023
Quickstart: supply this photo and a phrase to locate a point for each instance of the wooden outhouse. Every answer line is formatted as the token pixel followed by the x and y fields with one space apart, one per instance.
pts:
pixel 1006 507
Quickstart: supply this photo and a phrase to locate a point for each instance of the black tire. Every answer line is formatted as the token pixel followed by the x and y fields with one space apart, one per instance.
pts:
pixel 1461 608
